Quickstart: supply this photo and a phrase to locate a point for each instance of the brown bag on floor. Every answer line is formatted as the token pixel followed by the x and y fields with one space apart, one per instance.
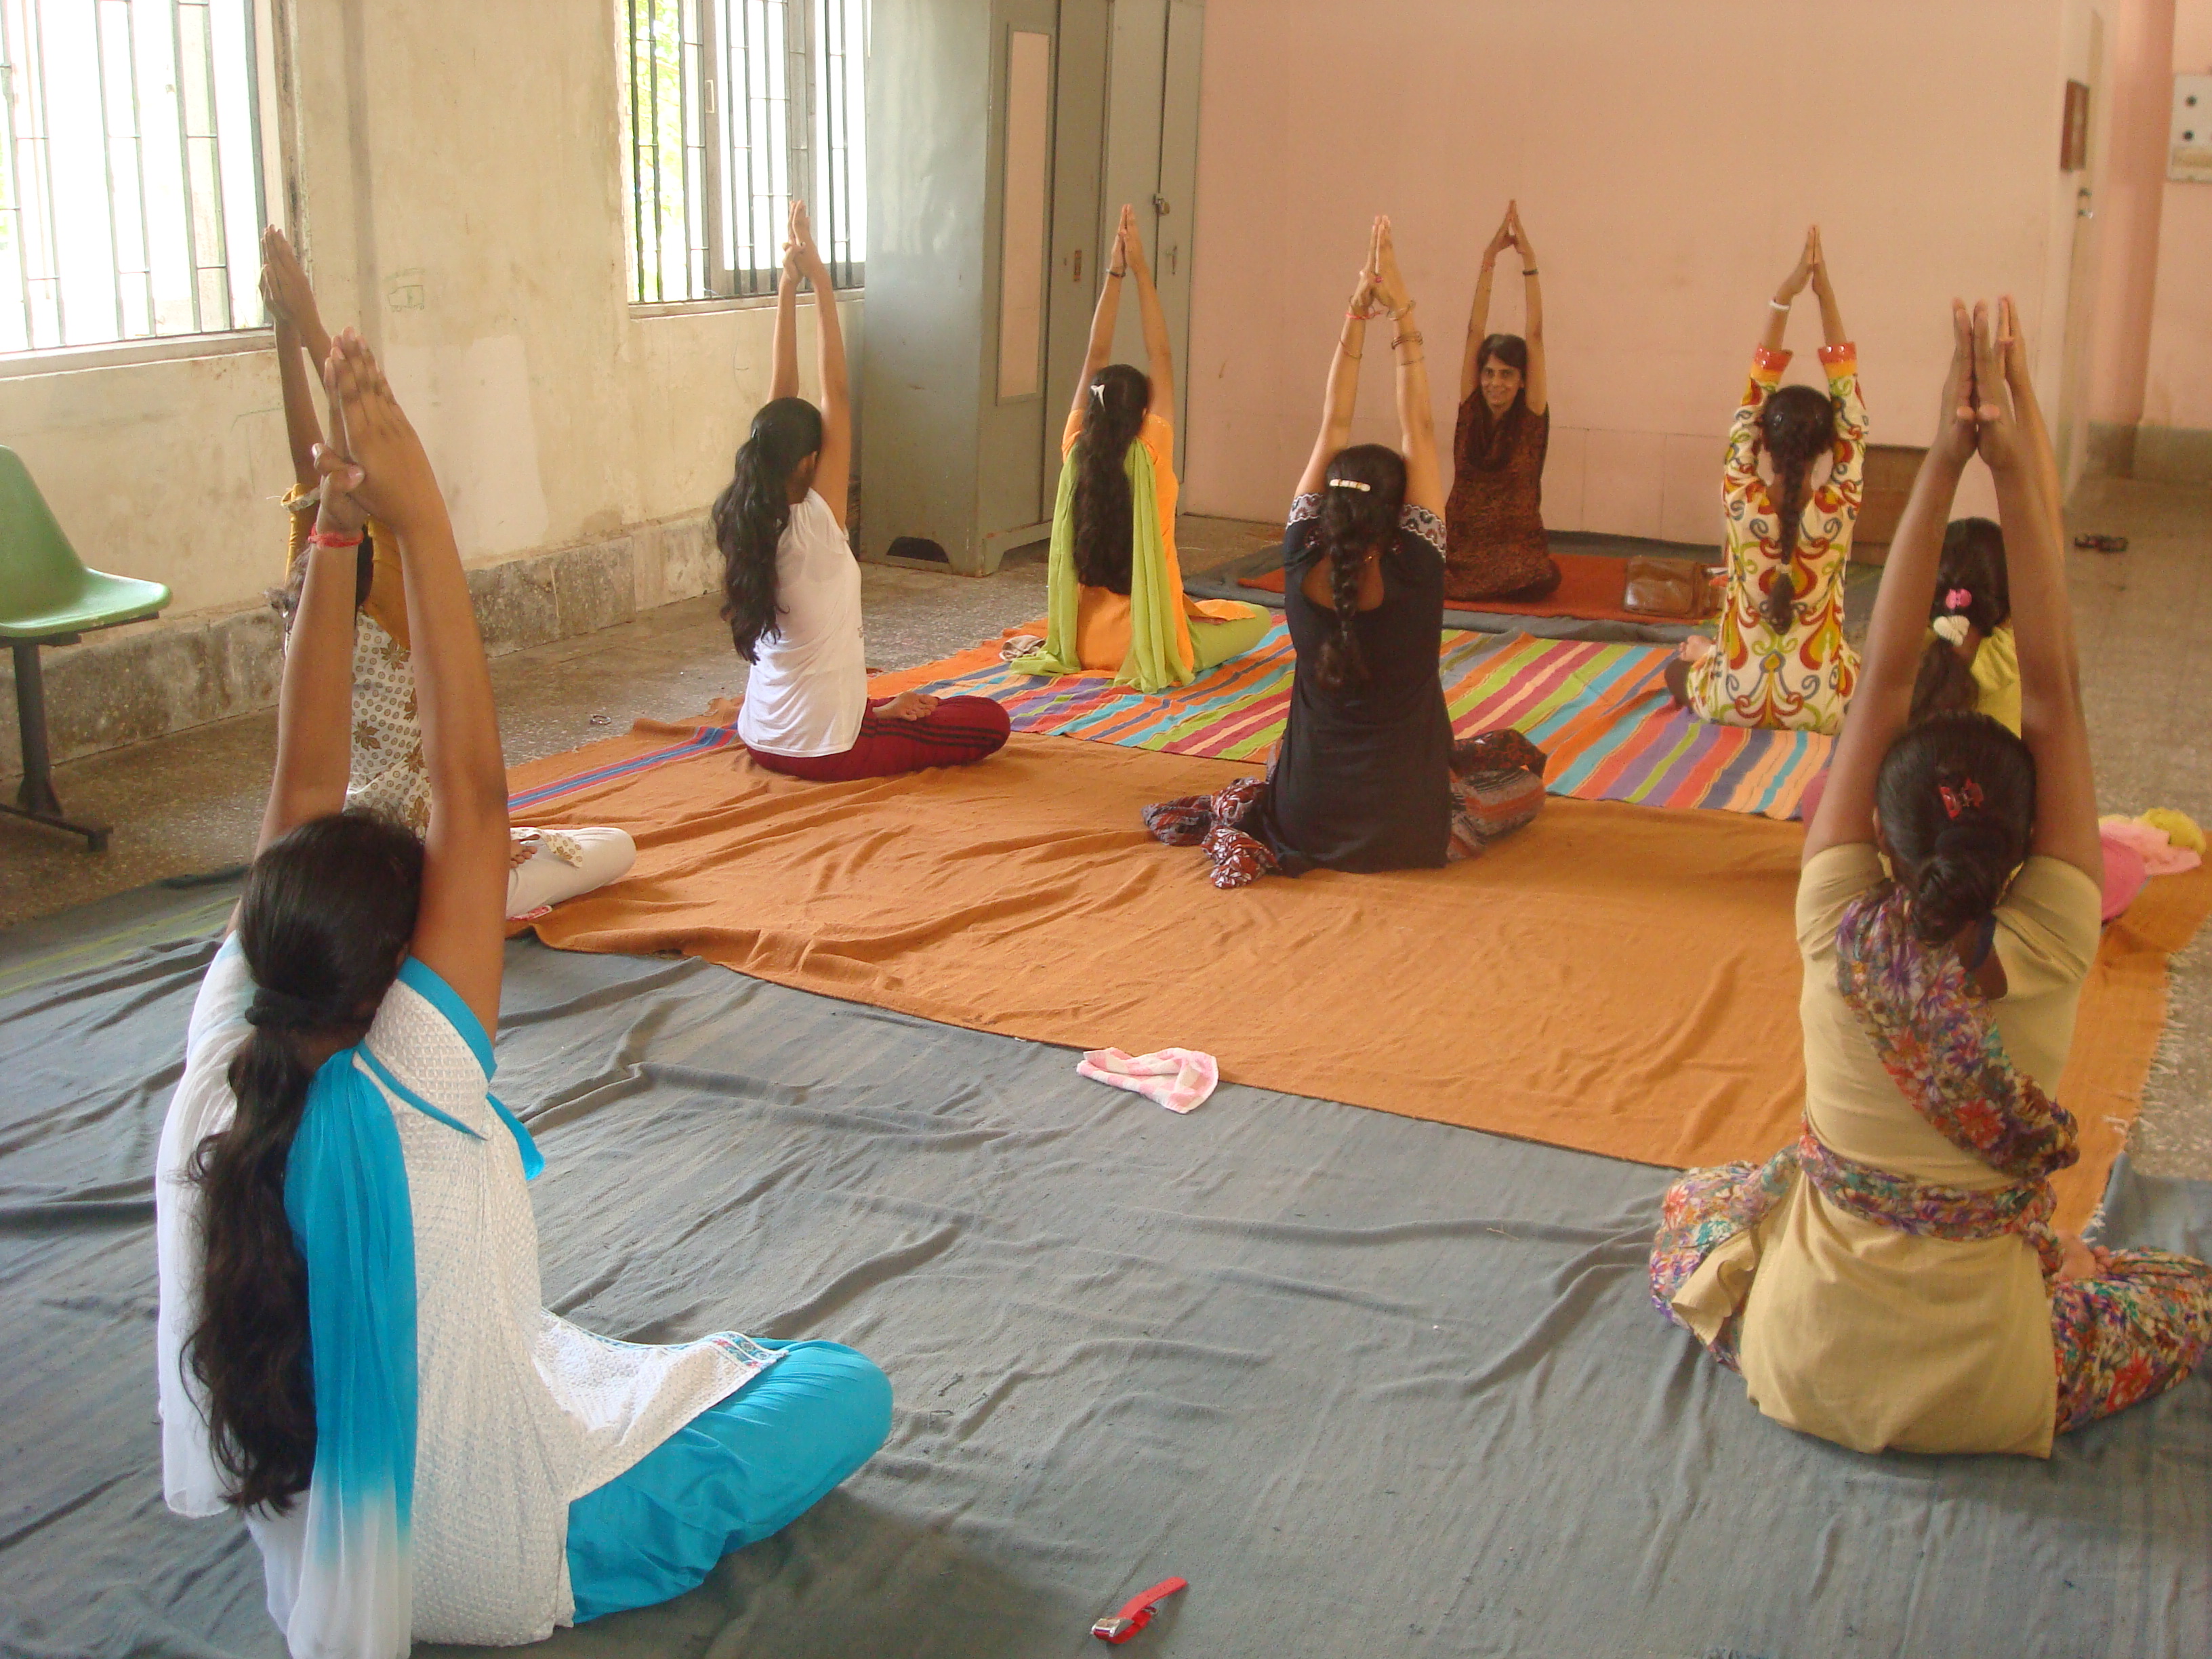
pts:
pixel 1673 588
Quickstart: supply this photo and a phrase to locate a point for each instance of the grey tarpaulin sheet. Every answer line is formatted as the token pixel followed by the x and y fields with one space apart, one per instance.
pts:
pixel 1374 1385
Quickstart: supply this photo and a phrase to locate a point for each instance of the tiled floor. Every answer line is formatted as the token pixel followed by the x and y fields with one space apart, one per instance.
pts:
pixel 188 804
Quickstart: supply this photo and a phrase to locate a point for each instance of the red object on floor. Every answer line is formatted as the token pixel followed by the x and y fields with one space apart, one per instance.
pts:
pixel 959 731
pixel 1136 1612
pixel 1590 585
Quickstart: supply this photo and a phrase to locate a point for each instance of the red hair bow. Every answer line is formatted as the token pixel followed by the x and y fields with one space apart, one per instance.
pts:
pixel 1956 801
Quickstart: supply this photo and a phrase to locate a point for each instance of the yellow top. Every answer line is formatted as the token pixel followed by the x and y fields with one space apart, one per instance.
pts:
pixel 1857 1332
pixel 1996 679
pixel 387 590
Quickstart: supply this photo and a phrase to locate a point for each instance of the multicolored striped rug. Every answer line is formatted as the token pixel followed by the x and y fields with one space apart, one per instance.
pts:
pixel 1601 711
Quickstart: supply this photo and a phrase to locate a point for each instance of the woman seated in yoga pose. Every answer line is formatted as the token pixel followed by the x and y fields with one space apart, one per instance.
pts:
pixel 385 773
pixel 791 583
pixel 1494 541
pixel 1970 663
pixel 1782 659
pixel 352 1352
pixel 1367 776
pixel 1116 604
pixel 1893 1278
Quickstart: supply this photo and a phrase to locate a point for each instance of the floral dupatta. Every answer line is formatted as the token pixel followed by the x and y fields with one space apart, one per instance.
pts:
pixel 1938 1042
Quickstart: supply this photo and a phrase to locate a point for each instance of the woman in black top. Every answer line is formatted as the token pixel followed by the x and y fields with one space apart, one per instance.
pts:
pixel 1364 777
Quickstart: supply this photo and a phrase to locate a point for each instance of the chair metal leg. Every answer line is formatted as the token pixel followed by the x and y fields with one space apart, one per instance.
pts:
pixel 36 799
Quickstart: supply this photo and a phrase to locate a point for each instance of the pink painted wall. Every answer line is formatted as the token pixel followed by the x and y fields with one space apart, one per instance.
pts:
pixel 1667 160
pixel 2140 67
pixel 2178 392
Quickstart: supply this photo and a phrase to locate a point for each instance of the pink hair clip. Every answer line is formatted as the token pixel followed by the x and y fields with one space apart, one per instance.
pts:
pixel 1958 599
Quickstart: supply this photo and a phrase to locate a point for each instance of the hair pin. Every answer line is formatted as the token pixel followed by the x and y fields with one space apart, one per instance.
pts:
pixel 1958 599
pixel 1350 483
pixel 1956 801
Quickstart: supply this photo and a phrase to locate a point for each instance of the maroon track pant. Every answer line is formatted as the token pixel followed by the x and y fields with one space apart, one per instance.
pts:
pixel 959 731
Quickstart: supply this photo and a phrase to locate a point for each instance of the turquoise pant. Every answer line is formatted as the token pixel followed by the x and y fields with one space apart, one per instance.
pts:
pixel 743 1468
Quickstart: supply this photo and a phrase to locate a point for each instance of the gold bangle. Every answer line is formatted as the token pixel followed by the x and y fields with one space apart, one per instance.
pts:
pixel 1414 338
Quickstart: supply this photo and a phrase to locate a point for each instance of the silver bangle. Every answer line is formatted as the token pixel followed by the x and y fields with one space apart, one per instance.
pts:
pixel 1779 305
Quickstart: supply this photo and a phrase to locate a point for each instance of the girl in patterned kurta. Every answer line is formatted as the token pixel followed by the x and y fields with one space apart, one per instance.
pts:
pixel 1891 1279
pixel 1782 659
pixel 386 774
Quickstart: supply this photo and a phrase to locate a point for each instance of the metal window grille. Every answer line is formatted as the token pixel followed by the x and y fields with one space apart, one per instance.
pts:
pixel 131 189
pixel 733 107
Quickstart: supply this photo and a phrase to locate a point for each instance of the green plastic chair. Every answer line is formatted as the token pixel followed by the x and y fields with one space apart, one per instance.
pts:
pixel 47 597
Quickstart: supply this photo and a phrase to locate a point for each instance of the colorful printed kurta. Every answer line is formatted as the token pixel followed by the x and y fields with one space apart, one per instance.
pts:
pixel 1802 679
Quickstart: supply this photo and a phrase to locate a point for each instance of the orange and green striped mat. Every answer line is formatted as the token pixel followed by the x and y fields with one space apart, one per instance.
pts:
pixel 1601 711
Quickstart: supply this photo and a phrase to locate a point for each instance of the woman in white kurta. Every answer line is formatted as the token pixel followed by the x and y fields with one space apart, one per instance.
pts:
pixel 1891 1279
pixel 353 1349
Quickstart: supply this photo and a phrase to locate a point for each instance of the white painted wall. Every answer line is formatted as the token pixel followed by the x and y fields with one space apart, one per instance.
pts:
pixel 456 187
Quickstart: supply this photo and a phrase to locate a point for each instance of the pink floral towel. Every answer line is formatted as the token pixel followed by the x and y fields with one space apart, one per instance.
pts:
pixel 1179 1079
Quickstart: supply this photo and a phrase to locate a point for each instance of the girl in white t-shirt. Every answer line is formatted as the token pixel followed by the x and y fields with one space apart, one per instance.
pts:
pixel 354 1352
pixel 791 587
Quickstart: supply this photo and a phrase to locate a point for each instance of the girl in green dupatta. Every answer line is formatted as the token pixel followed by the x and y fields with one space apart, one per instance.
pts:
pixel 1116 604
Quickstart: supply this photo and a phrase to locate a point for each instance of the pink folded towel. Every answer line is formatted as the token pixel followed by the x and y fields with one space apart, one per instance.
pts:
pixel 2160 856
pixel 1179 1079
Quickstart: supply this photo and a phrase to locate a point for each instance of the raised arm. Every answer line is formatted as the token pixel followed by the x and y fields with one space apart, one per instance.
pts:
pixel 1537 386
pixel 1343 394
pixel 1777 309
pixel 783 350
pixel 291 302
pixel 1832 314
pixel 461 931
pixel 1100 352
pixel 2028 410
pixel 1899 631
pixel 2051 722
pixel 1417 426
pixel 315 700
pixel 1478 316
pixel 1159 353
pixel 833 472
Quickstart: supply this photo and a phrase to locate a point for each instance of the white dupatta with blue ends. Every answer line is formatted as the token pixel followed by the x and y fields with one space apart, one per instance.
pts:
pixel 457 1419
pixel 346 1193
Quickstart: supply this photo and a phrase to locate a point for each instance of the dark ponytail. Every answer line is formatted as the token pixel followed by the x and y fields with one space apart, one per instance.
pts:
pixel 1112 415
pixel 1971 583
pixel 749 517
pixel 1796 423
pixel 1361 501
pixel 327 911
pixel 1956 798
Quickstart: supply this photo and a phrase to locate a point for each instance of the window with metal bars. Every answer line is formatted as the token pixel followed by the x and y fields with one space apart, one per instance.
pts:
pixel 731 107
pixel 130 163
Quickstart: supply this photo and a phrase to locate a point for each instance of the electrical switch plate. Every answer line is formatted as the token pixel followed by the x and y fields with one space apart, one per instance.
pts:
pixel 2189 152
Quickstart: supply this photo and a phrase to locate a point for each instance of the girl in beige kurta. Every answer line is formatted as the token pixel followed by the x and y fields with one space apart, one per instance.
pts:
pixel 1892 1279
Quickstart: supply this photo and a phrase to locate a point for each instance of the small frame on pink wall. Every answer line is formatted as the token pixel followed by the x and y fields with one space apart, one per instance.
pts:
pixel 2073 133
